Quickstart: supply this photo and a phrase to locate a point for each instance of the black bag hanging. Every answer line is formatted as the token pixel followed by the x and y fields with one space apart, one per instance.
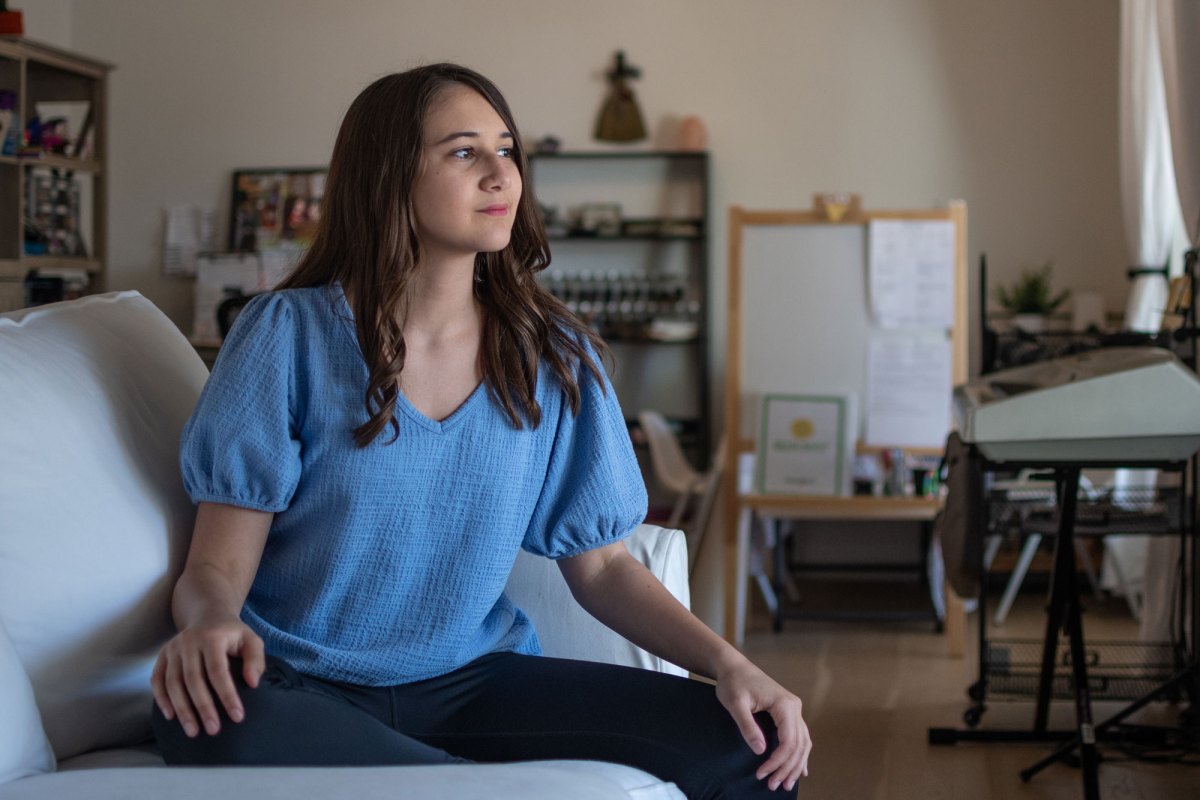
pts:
pixel 959 525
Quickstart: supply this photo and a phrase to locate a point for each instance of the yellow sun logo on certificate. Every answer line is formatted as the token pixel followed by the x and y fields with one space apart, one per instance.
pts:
pixel 802 428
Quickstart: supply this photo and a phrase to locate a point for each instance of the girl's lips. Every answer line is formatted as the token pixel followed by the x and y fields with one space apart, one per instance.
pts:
pixel 496 211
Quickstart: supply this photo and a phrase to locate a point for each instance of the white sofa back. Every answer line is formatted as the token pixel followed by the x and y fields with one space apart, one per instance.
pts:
pixel 94 522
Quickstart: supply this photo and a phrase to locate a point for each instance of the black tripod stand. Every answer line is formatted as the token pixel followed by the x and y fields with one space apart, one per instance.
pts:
pixel 1064 617
pixel 1187 680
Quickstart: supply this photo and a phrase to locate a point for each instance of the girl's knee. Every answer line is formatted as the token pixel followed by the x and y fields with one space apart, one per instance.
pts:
pixel 235 742
pixel 729 772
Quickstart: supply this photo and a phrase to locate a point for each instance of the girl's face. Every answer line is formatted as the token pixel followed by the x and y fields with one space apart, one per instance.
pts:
pixel 465 198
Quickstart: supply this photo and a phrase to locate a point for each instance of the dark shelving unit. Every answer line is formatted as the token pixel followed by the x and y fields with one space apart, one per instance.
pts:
pixel 616 279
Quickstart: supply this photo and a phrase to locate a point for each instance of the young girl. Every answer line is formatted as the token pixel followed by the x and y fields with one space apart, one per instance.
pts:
pixel 377 440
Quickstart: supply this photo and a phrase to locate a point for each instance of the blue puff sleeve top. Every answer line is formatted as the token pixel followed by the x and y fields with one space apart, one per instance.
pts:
pixel 387 564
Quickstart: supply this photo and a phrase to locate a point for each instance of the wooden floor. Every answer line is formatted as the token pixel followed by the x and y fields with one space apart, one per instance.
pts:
pixel 872 691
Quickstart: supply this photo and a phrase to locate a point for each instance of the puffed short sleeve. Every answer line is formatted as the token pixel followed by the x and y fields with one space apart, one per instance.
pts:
pixel 594 493
pixel 240 445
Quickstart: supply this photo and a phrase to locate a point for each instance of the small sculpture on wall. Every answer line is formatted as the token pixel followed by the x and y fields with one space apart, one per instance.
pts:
pixel 620 118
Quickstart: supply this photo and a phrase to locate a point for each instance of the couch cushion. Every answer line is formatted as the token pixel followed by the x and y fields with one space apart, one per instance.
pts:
pixel 94 522
pixel 535 780
pixel 23 747
pixel 635 783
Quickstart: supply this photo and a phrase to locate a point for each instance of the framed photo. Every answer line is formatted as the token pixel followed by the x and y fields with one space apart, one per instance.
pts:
pixel 275 207
pixel 805 444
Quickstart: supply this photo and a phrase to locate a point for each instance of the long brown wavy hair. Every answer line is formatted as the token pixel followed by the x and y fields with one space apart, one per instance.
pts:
pixel 366 240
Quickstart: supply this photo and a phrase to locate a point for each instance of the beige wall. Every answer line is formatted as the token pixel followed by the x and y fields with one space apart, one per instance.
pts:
pixel 1009 104
pixel 47 21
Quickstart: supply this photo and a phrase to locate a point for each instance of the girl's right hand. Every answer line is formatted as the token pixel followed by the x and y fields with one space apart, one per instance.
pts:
pixel 196 659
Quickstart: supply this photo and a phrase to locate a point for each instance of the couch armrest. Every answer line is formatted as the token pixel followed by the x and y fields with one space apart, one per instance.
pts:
pixel 567 631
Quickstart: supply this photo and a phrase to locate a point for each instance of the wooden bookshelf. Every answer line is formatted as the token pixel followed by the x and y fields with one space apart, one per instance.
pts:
pixel 34 188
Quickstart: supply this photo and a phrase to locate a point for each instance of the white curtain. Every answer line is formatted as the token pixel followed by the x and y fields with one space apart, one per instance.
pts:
pixel 1179 42
pixel 1151 211
pixel 1178 23
pixel 1148 193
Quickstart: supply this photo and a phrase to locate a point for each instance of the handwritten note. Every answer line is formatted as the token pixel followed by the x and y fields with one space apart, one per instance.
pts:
pixel 911 273
pixel 908 390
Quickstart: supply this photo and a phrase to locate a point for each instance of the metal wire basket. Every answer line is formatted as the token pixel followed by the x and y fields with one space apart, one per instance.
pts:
pixel 1116 670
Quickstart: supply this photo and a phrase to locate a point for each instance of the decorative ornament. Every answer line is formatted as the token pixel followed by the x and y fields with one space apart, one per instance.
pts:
pixel 838 206
pixel 693 136
pixel 620 118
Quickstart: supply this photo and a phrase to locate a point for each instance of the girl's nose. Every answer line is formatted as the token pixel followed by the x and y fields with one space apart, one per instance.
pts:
pixel 499 174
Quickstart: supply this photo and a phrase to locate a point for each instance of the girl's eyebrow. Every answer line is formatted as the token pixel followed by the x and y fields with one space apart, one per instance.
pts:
pixel 469 135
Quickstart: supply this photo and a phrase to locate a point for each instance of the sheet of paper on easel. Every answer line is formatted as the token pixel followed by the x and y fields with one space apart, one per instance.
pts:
pixel 908 390
pixel 911 273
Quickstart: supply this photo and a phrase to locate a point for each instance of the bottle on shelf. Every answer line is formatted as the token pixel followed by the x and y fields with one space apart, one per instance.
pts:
pixel 627 306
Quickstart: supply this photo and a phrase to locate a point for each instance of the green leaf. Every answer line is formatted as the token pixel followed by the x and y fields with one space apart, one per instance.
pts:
pixel 1032 292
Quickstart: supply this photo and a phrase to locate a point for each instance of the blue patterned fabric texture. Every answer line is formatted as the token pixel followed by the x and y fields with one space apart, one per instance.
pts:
pixel 387 564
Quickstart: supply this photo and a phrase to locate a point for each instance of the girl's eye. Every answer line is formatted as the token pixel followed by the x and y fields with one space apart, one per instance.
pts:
pixel 465 153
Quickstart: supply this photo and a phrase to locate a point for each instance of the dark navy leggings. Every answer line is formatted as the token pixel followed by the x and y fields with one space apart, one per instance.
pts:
pixel 501 707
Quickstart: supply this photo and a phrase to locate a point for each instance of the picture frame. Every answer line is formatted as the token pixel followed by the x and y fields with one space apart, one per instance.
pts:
pixel 273 207
pixel 806 444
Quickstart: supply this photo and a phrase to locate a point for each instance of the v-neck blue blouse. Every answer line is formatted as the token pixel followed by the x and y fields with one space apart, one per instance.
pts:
pixel 387 564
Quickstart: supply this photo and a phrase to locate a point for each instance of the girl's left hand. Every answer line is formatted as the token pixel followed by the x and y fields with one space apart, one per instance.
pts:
pixel 745 690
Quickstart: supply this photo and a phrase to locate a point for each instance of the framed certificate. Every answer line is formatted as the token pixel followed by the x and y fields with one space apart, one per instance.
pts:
pixel 804 444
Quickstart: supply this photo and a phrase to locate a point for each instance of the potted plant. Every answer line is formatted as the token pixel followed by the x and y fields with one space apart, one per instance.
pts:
pixel 1031 299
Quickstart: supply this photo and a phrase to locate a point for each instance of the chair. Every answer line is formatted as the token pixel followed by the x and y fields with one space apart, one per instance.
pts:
pixel 672 469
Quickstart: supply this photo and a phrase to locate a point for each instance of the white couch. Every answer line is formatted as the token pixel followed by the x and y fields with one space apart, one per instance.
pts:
pixel 94 526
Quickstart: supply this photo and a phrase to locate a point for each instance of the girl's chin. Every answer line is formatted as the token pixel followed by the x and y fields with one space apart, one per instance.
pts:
pixel 495 245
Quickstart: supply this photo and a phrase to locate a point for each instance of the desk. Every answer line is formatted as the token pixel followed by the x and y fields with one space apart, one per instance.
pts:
pixel 770 509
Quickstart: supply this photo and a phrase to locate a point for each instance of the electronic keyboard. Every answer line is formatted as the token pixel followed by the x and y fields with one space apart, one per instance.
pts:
pixel 1109 405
